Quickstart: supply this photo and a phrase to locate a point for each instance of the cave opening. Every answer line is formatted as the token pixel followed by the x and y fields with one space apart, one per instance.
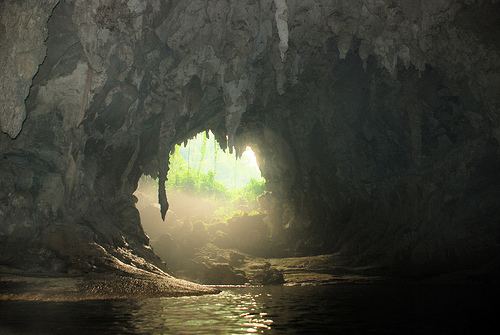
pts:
pixel 217 202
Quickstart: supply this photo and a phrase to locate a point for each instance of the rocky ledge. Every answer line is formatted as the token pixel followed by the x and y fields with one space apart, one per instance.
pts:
pixel 97 286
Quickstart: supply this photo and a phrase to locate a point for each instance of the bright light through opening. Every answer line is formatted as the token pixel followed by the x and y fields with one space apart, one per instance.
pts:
pixel 202 156
pixel 249 156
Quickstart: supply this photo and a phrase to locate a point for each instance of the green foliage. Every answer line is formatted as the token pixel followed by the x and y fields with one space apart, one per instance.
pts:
pixel 203 154
pixel 227 212
pixel 206 171
pixel 182 177
pixel 198 183
pixel 205 184
pixel 254 188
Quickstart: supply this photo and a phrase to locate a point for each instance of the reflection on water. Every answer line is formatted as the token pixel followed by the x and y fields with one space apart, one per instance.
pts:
pixel 339 309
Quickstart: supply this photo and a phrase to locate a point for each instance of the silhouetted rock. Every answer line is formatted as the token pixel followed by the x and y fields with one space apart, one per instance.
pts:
pixel 212 273
pixel 236 258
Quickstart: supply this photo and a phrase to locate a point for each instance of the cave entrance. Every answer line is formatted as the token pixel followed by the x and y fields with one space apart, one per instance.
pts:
pixel 216 201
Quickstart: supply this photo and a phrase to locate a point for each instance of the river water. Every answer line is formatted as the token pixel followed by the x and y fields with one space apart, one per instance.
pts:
pixel 334 309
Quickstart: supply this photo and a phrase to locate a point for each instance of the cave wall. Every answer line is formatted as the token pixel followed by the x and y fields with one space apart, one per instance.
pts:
pixel 376 122
pixel 404 174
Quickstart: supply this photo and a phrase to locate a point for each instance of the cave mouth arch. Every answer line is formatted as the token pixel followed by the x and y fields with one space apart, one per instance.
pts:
pixel 216 198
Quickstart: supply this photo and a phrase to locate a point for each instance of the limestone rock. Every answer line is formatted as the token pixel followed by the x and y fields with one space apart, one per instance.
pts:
pixel 23 31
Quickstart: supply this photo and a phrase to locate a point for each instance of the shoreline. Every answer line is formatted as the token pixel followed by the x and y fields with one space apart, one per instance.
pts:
pixel 96 287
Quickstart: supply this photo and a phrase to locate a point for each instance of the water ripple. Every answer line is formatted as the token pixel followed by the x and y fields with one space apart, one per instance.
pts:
pixel 264 310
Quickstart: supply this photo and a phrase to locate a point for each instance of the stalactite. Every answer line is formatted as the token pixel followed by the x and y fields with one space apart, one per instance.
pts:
pixel 167 132
pixel 281 17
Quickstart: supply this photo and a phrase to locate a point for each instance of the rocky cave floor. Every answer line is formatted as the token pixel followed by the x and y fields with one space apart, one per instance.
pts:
pixel 201 260
pixel 122 283
pixel 208 271
pixel 202 257
pixel 211 265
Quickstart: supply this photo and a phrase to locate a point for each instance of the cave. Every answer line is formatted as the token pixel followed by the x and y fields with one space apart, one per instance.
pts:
pixel 375 125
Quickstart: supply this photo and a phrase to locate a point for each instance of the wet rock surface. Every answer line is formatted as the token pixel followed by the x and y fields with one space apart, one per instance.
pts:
pixel 96 287
pixel 375 124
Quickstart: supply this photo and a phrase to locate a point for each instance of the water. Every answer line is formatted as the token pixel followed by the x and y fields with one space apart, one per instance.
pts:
pixel 339 309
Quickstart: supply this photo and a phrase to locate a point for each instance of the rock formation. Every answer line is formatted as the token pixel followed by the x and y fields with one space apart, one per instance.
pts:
pixel 376 123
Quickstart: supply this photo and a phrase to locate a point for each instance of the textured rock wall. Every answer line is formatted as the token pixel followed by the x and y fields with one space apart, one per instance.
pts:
pixel 22 33
pixel 376 122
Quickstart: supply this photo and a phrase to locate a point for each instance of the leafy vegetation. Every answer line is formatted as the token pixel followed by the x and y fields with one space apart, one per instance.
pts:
pixel 189 172
pixel 203 154
pixel 210 181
